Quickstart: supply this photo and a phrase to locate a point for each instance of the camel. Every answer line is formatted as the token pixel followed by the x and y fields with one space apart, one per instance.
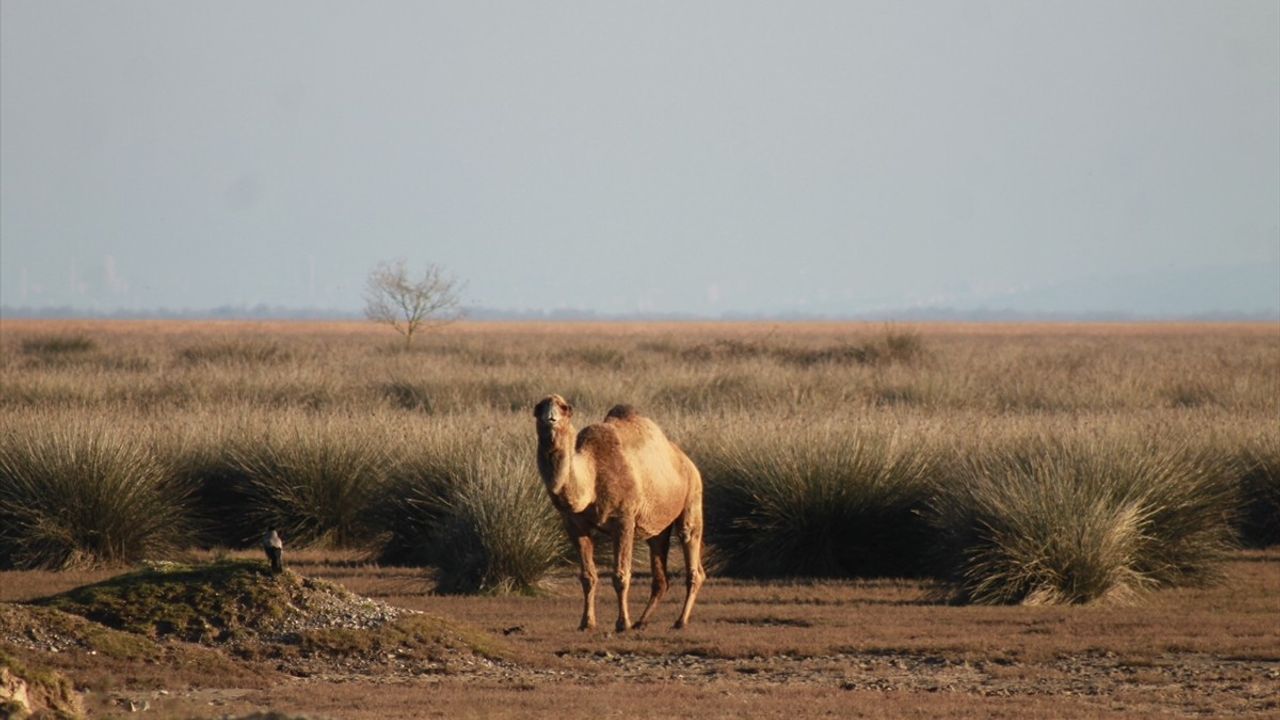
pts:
pixel 625 478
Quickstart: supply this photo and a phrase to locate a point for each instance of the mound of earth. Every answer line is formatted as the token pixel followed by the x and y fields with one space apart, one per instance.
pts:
pixel 86 650
pixel 232 601
pixel 29 692
pixel 299 625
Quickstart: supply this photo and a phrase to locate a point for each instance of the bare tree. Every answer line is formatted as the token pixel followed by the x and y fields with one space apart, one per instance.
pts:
pixel 408 305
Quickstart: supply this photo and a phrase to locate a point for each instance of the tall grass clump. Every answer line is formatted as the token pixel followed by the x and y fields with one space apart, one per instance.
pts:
pixel 1057 522
pixel 58 344
pixel 314 484
pixel 483 521
pixel 892 346
pixel 234 352
pixel 832 503
pixel 408 395
pixel 1259 466
pixel 415 504
pixel 78 496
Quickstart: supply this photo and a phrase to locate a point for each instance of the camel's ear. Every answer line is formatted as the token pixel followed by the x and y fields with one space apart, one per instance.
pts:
pixel 537 409
pixel 567 409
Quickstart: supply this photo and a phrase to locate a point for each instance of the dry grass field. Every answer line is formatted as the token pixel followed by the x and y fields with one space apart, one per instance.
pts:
pixel 926 520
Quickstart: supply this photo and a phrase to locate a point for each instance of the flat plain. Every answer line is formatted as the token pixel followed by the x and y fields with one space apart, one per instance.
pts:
pixel 876 645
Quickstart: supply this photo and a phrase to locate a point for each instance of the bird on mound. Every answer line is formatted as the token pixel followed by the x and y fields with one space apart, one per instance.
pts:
pixel 274 548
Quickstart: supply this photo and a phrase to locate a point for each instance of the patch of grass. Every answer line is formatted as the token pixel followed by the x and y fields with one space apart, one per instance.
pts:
pixel 130 363
pixel 510 395
pixel 723 349
pixel 837 504
pixel 220 495
pixel 58 344
pixel 891 346
pixel 435 397
pixel 502 535
pixel 724 390
pixel 1259 519
pixel 1189 394
pixel 314 484
pixel 234 352
pixel 594 356
pixel 896 395
pixel 71 362
pixel 904 346
pixel 1058 522
pixel 82 496
pixel 859 354
pixel 408 396
pixel 484 522
pixel 414 506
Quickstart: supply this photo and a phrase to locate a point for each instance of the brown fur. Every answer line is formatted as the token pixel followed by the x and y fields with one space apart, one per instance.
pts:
pixel 624 478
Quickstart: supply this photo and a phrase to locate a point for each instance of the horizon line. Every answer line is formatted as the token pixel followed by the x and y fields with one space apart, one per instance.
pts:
pixel 484 314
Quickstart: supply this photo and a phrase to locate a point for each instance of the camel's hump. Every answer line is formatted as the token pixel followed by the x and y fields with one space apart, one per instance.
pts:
pixel 622 412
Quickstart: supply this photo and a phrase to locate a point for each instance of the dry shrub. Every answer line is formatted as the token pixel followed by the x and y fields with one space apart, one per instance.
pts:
pixel 482 520
pixel 81 495
pixel 1081 519
pixel 441 396
pixel 832 503
pixel 315 483
pixel 595 356
pixel 892 345
pixel 235 352
pixel 1189 394
pixel 720 391
pixel 1259 465
pixel 500 535
pixel 58 344
pixel 408 395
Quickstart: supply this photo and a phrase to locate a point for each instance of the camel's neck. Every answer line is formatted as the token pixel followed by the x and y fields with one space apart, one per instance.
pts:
pixel 569 476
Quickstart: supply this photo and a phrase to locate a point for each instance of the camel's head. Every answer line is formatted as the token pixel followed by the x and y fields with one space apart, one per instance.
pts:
pixel 552 412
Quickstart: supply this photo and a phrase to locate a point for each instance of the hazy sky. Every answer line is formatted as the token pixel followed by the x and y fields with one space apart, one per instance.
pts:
pixel 702 157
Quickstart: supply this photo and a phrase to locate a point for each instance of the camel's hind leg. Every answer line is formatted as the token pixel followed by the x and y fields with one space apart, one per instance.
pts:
pixel 690 526
pixel 659 547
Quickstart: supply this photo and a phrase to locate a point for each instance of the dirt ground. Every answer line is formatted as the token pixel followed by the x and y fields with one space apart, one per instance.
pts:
pixel 878 648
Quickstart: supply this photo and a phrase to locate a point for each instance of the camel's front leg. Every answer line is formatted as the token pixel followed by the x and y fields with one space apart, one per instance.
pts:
pixel 623 540
pixel 587 574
